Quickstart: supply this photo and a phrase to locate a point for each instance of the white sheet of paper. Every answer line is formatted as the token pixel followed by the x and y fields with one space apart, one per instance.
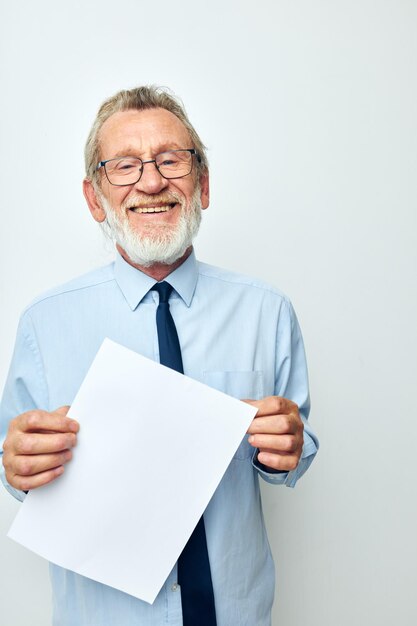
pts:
pixel 152 448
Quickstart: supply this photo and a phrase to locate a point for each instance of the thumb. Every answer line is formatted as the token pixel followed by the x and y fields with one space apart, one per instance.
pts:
pixel 256 403
pixel 63 410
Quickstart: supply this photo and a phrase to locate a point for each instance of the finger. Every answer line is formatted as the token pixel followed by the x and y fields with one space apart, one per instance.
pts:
pixel 278 443
pixel 40 443
pixel 27 483
pixel 281 453
pixel 272 405
pixel 35 421
pixel 278 462
pixel 29 465
pixel 62 410
pixel 276 424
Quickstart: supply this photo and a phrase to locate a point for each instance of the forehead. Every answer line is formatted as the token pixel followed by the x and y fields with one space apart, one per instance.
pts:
pixel 143 133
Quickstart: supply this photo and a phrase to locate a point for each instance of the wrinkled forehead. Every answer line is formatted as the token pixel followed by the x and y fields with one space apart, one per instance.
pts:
pixel 142 133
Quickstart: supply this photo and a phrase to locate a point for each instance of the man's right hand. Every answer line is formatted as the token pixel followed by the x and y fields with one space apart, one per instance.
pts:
pixel 37 446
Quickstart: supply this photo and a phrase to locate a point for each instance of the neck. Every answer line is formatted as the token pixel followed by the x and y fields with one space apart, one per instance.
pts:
pixel 158 271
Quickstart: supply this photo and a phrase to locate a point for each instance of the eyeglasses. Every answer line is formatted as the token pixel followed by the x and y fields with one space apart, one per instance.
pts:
pixel 128 170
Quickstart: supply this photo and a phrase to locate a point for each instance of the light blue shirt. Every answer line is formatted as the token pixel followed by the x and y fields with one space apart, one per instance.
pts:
pixel 237 335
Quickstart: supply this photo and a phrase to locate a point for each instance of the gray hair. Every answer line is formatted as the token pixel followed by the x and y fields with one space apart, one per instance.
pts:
pixel 139 98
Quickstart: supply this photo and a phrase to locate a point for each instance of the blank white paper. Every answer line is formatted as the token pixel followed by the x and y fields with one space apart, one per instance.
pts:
pixel 153 446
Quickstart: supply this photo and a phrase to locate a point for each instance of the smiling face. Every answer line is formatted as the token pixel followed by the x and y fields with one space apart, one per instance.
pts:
pixel 155 218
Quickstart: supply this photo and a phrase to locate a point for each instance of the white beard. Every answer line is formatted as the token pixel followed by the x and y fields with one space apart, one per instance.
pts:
pixel 159 242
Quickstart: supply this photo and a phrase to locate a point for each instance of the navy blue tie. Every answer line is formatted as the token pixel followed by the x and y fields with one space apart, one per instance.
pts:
pixel 194 575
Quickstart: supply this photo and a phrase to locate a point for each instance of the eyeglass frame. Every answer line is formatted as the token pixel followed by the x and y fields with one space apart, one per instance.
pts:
pixel 192 151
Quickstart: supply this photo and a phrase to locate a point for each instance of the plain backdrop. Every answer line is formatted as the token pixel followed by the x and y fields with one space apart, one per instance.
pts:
pixel 308 109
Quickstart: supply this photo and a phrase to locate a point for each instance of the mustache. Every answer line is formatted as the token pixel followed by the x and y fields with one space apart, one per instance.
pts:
pixel 144 200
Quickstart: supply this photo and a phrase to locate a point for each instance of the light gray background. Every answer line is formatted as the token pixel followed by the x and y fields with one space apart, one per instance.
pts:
pixel 309 113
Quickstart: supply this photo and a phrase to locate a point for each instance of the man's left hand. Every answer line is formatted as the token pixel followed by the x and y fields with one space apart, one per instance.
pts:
pixel 277 431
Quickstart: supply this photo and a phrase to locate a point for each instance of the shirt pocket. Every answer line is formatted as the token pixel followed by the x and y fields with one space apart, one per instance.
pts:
pixel 242 386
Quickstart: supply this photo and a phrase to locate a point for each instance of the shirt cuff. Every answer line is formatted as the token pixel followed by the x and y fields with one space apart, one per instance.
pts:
pixel 16 493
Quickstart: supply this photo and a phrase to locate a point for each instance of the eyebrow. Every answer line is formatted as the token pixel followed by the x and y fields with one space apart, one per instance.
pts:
pixel 165 147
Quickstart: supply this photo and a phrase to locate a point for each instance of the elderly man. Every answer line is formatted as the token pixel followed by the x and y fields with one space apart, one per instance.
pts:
pixel 147 184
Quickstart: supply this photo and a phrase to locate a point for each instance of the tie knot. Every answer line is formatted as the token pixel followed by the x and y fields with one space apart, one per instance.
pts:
pixel 164 289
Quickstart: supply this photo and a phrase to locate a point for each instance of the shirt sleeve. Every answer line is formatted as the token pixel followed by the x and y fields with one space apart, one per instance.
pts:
pixel 25 387
pixel 291 381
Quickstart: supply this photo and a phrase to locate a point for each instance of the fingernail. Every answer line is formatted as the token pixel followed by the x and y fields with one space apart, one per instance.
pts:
pixel 73 426
pixel 251 439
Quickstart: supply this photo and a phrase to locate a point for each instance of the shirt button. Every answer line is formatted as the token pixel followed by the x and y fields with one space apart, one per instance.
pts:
pixel 175 587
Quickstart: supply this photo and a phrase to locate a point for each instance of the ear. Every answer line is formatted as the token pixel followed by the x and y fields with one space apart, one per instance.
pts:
pixel 205 190
pixel 93 201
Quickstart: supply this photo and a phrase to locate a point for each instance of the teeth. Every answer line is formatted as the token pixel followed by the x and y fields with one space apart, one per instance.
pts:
pixel 152 209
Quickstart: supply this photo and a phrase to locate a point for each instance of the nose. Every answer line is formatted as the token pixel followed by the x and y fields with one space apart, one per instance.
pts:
pixel 151 181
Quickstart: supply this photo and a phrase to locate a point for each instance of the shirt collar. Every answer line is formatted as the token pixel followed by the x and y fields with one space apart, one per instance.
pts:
pixel 134 284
